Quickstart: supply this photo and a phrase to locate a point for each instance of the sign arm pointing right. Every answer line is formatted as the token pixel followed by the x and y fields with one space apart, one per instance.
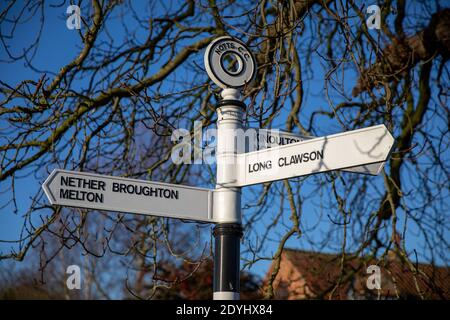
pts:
pixel 334 152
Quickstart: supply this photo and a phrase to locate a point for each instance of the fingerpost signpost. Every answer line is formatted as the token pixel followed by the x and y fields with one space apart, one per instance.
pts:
pixel 230 65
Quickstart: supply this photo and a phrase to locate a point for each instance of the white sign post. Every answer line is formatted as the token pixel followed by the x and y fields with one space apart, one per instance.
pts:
pixel 232 66
pixel 100 192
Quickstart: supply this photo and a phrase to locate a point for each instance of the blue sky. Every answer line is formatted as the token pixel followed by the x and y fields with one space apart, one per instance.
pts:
pixel 60 45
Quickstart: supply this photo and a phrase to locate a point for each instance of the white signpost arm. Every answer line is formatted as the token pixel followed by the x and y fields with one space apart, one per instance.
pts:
pixel 101 192
pixel 269 138
pixel 334 152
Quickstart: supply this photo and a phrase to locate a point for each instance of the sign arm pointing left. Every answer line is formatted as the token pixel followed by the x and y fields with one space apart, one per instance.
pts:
pixel 101 192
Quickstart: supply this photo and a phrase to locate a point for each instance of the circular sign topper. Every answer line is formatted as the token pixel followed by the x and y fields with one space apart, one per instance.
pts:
pixel 229 63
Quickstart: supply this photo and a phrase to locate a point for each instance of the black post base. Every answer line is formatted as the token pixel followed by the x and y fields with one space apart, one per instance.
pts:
pixel 227 257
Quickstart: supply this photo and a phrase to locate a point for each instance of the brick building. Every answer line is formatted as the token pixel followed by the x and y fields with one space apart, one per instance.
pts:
pixel 309 275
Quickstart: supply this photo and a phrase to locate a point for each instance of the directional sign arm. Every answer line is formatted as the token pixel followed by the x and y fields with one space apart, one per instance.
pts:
pixel 100 192
pixel 273 138
pixel 334 152
pixel 372 169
